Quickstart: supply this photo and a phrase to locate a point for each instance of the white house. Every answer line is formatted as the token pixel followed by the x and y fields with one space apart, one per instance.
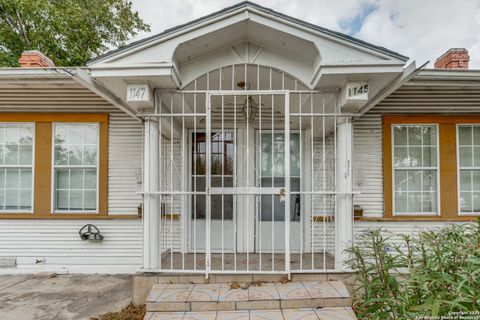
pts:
pixel 240 142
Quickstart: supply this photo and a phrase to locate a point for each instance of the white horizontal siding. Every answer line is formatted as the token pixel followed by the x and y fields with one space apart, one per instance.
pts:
pixel 125 154
pixel 57 245
pixel 367 164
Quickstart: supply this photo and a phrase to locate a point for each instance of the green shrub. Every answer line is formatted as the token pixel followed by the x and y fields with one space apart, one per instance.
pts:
pixel 432 274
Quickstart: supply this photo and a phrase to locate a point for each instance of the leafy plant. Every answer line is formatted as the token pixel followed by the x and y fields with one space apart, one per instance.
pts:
pixel 70 32
pixel 433 273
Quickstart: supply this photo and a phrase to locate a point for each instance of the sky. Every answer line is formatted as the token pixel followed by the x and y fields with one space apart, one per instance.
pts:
pixel 419 29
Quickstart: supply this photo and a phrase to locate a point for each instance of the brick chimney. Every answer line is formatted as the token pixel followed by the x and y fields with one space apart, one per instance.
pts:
pixel 34 59
pixel 455 58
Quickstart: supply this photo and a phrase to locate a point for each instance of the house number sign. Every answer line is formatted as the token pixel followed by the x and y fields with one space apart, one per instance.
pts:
pixel 357 90
pixel 138 93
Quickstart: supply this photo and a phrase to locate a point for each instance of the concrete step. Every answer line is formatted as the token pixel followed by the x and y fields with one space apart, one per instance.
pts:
pixel 247 296
pixel 334 313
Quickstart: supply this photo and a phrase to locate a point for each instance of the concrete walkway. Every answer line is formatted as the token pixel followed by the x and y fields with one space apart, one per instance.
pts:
pixel 62 297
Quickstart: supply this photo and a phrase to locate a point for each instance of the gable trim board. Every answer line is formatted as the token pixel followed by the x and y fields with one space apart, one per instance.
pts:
pixel 245 6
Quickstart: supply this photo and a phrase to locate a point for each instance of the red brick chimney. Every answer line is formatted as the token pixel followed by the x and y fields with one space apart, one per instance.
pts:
pixel 34 59
pixel 455 58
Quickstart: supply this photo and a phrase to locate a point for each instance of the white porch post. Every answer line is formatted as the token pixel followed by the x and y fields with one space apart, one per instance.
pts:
pixel 151 210
pixel 344 212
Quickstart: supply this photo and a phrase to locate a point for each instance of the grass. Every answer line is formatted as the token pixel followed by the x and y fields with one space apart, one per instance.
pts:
pixel 130 312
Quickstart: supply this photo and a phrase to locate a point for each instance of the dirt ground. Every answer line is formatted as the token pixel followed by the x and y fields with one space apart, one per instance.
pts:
pixel 62 297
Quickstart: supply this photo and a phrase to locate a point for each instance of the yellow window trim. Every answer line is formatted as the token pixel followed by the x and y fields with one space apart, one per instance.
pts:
pixel 447 131
pixel 42 188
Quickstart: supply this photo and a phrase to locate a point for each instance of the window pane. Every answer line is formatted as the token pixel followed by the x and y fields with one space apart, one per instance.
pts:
pixel 76 179
pixel 429 180
pixel 11 199
pixel 415 135
pixel 90 134
pixel 11 154
pixel 429 136
pixel 62 179
pixel 415 156
pixel 476 156
pixel 429 202
pixel 62 200
pixel 465 135
pixel 90 179
pixel 11 134
pixel 25 154
pixel 25 201
pixel 13 178
pixel 75 134
pixel 401 178
pixel 25 179
pixel 401 202
pixel 75 154
pixel 465 156
pixel 401 157
pixel 466 201
pixel 90 200
pixel 295 155
pixel 90 155
pixel 476 180
pixel 429 156
pixel 26 134
pixel 476 135
pixel 76 200
pixel 400 135
pixel 414 180
pixel 414 202
pixel 61 154
pixel 476 201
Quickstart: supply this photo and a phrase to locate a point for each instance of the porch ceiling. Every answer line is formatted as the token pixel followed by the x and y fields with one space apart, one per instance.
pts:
pixel 41 90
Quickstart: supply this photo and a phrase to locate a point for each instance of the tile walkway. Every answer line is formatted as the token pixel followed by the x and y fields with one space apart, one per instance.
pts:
pixel 255 296
pixel 334 313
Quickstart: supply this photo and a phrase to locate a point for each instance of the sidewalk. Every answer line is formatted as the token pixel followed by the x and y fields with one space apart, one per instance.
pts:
pixel 62 297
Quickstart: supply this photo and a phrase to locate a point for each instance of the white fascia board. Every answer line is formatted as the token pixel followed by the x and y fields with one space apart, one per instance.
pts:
pixel 354 70
pixel 32 73
pixel 314 32
pixel 133 71
pixel 441 74
pixel 174 34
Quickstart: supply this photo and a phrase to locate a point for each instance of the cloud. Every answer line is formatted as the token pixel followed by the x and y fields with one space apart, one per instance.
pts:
pixel 422 30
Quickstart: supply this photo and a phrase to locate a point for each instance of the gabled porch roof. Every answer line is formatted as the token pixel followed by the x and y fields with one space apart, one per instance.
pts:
pixel 247 33
pixel 246 5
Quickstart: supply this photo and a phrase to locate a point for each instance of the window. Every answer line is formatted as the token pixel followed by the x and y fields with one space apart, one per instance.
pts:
pixel 272 174
pixel 415 169
pixel 16 166
pixel 75 167
pixel 468 158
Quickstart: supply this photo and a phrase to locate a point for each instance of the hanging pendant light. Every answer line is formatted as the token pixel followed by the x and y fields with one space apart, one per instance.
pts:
pixel 250 107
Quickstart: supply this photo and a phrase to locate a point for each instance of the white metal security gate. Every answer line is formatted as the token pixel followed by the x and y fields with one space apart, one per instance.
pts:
pixel 247 177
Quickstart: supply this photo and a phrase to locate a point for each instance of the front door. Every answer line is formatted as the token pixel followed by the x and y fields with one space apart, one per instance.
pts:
pixel 272 211
pixel 245 173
